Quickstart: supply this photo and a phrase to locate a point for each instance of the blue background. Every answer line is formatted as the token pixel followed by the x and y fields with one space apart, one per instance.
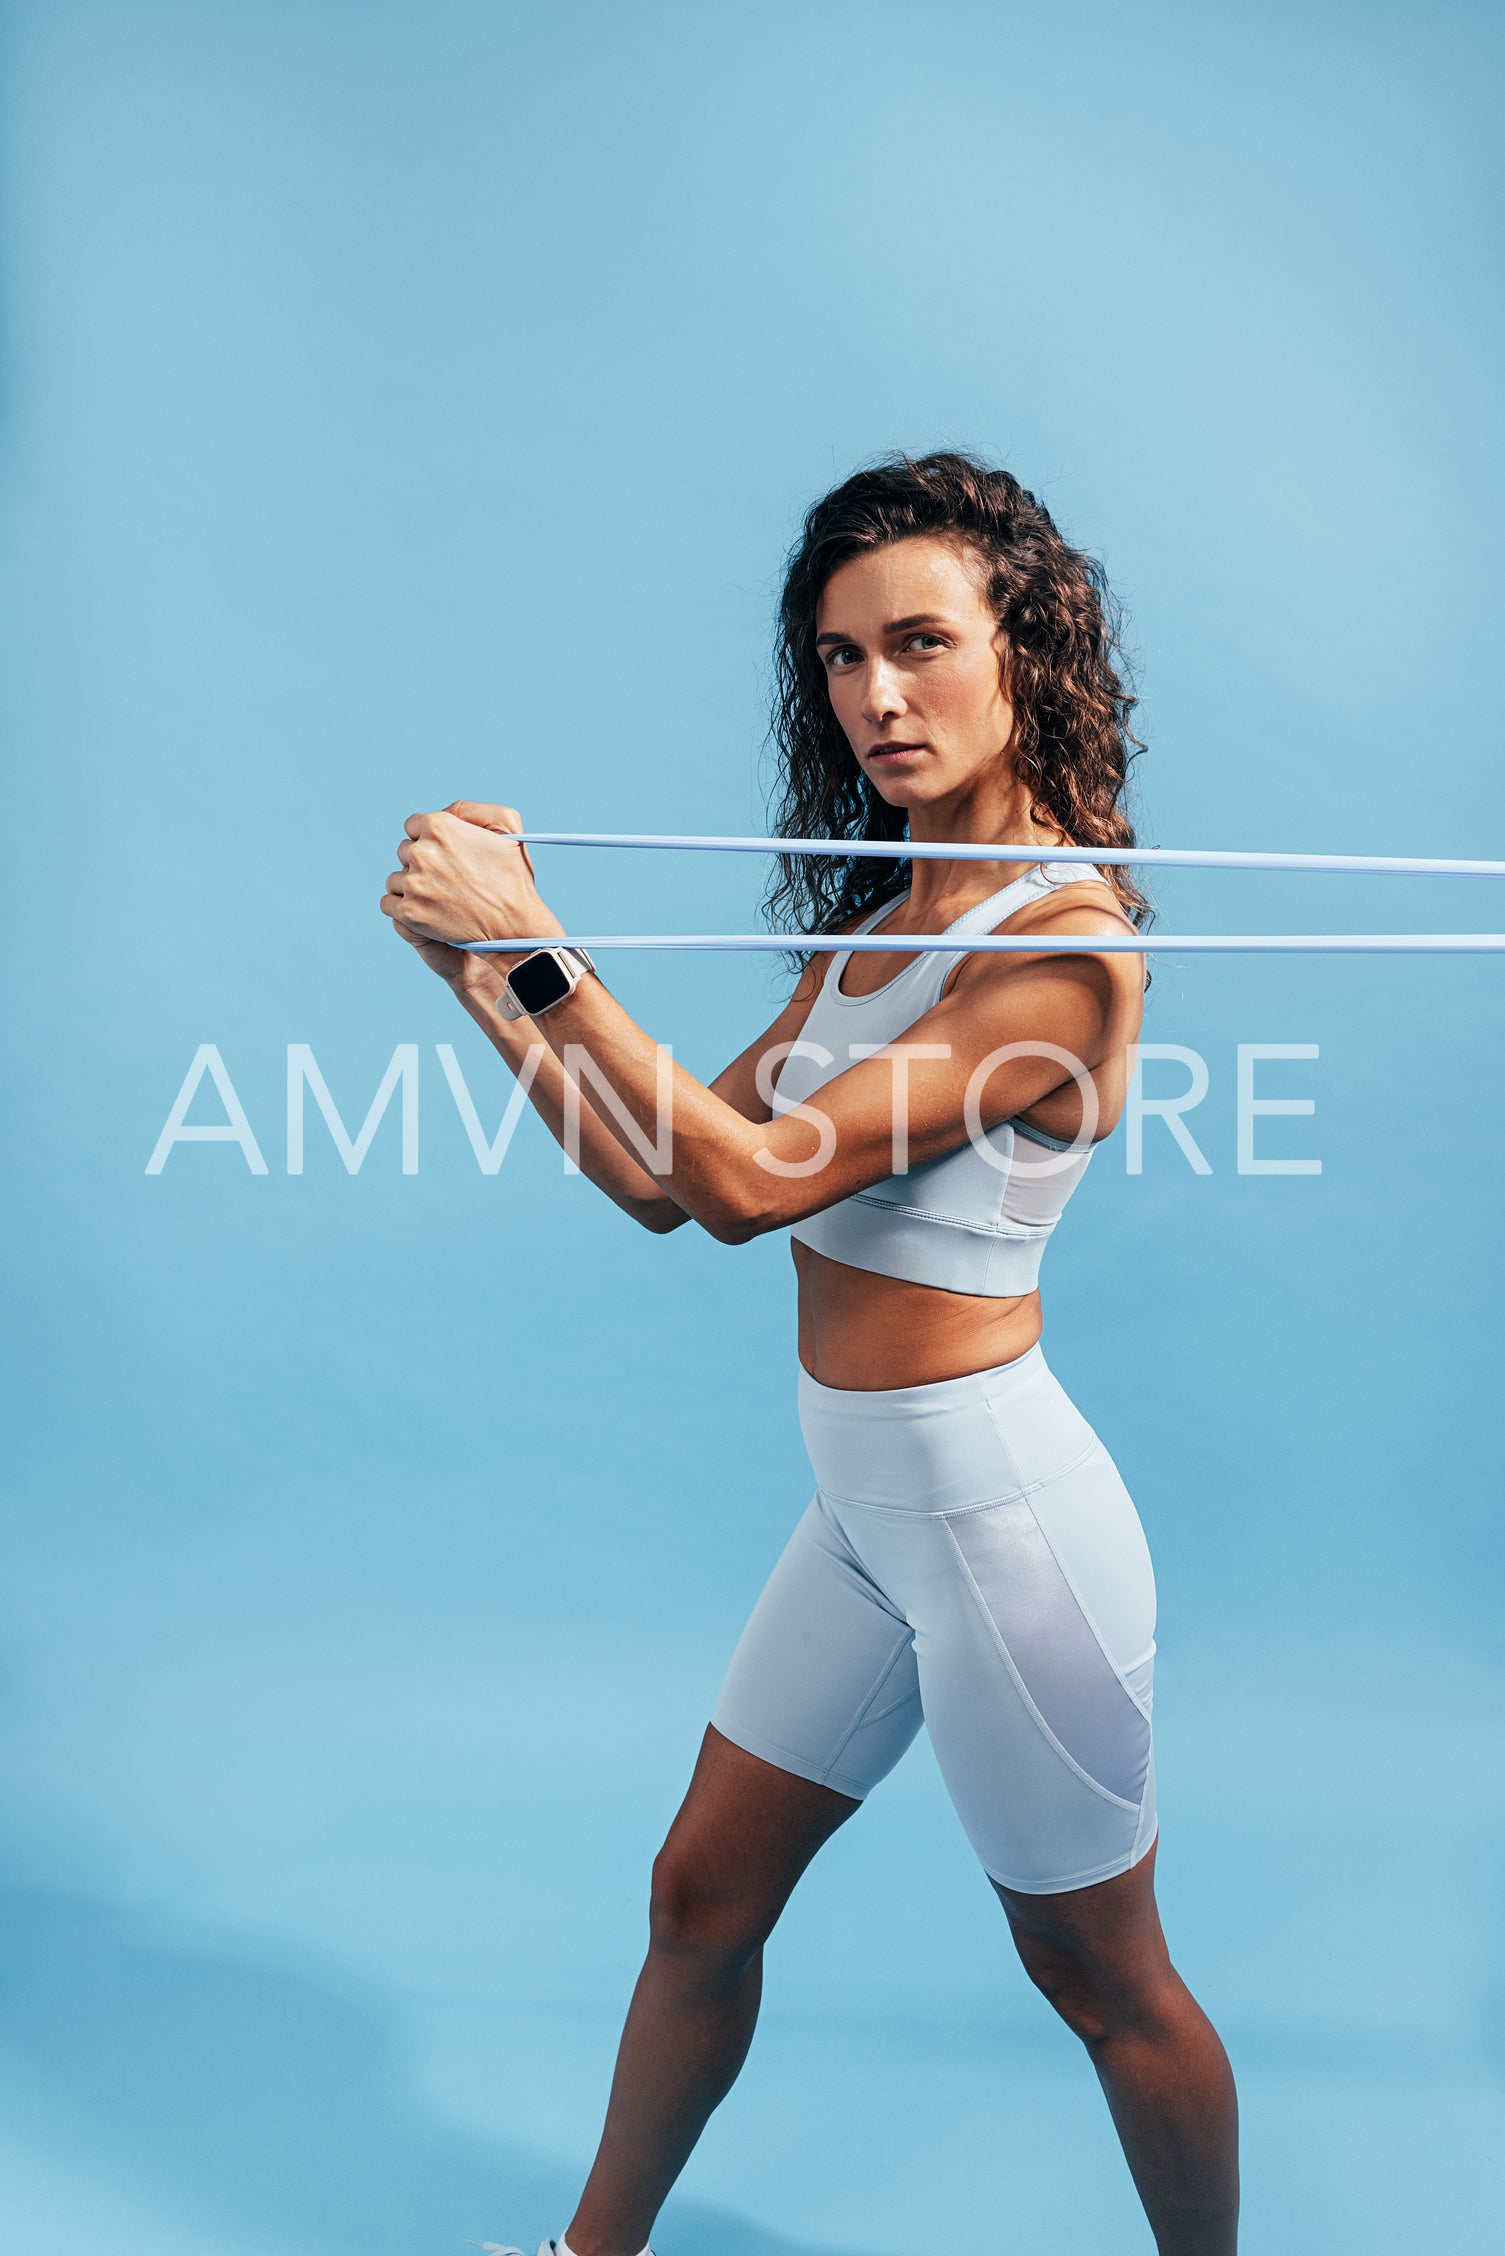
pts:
pixel 404 402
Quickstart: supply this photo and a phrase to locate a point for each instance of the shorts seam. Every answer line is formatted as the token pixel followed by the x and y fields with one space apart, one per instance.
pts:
pixel 785 1758
pixel 864 1712
pixel 983 1504
pixel 1118 1801
pixel 1107 1871
pixel 1081 1604
pixel 1029 1488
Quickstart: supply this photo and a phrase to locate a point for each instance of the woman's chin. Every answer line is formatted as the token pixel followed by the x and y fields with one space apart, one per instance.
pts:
pixel 899 790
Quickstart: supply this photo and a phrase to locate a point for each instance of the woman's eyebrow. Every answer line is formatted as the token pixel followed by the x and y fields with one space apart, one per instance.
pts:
pixel 894 626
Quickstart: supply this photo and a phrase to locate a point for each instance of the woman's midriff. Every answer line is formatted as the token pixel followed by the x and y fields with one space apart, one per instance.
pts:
pixel 861 1331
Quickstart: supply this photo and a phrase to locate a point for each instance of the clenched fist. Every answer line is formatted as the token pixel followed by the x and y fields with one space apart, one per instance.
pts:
pixel 464 876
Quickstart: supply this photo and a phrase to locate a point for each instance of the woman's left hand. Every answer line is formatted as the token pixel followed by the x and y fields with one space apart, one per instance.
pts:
pixel 464 876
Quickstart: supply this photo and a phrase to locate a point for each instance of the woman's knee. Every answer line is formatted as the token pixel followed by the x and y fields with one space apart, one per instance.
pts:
pixel 1066 1982
pixel 1100 1994
pixel 698 1915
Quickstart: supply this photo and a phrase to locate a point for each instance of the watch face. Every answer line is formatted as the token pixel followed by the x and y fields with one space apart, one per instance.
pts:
pixel 539 981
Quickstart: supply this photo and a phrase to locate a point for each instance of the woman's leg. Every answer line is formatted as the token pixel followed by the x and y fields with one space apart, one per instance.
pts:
pixel 1099 1955
pixel 1032 1600
pixel 744 1835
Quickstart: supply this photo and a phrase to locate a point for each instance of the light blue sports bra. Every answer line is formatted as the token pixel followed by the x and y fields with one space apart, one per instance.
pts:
pixel 974 1220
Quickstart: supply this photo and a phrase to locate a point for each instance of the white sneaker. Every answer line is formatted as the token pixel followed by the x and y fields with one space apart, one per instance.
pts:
pixel 545 2248
pixel 495 2248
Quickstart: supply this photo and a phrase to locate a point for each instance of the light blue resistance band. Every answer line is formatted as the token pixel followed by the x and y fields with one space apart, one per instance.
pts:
pixel 1019 943
pixel 932 850
pixel 1115 943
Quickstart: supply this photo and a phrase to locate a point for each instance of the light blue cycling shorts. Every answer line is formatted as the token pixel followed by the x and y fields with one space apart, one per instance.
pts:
pixel 970 1560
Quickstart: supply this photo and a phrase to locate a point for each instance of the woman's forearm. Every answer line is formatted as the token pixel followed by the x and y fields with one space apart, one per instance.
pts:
pixel 568 1115
pixel 717 1164
pixel 740 1172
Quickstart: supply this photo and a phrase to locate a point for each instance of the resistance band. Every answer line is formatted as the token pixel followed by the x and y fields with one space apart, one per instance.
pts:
pixel 929 850
pixel 997 943
pixel 1023 943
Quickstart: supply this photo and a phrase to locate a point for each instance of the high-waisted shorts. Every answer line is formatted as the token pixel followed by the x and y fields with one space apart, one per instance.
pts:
pixel 972 1561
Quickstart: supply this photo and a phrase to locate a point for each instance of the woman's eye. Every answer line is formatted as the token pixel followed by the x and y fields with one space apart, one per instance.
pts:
pixel 933 640
pixel 843 657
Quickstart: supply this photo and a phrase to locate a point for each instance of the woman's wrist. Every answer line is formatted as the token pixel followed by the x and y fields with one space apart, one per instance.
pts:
pixel 481 978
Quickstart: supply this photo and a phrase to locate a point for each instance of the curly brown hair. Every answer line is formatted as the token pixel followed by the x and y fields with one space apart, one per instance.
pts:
pixel 1072 744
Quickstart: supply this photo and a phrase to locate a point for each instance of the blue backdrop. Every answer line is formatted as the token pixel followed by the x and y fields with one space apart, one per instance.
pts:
pixel 402 402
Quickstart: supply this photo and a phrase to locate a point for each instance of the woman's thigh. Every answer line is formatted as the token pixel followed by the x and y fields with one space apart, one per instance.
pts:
pixel 819 1701
pixel 1034 1639
pixel 743 1835
pixel 823 1682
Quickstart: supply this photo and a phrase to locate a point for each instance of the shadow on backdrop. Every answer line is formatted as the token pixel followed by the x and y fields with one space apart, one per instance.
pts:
pixel 262 2099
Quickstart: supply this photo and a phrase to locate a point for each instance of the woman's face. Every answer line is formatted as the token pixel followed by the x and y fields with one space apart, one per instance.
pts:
pixel 914 661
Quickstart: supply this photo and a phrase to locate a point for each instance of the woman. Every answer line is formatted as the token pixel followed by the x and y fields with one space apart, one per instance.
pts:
pixel 971 1558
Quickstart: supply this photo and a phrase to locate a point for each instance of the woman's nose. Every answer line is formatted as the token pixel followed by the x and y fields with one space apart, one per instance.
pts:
pixel 881 698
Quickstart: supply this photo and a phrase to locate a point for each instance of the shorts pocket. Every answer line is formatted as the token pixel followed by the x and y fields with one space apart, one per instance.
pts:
pixel 1055 1649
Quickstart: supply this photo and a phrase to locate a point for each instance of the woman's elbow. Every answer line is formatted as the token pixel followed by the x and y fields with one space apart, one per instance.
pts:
pixel 739 1205
pixel 733 1230
pixel 738 1218
pixel 659 1216
pixel 719 1220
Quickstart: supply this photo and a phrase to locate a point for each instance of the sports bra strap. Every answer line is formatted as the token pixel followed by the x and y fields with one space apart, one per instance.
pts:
pixel 1039 878
pixel 839 958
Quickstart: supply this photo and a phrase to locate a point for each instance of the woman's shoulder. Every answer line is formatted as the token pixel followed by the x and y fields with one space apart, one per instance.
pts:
pixel 1074 907
pixel 1072 899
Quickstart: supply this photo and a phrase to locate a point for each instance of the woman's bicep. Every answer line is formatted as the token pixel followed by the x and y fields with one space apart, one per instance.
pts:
pixel 1023 1032
pixel 986 1051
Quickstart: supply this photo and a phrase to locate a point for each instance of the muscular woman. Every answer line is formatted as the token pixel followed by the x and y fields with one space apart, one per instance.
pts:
pixel 917 1121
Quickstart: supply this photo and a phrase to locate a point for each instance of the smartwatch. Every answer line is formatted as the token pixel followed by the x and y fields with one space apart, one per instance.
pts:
pixel 541 980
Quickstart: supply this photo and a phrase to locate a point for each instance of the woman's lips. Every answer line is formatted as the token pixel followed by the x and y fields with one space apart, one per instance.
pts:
pixel 892 751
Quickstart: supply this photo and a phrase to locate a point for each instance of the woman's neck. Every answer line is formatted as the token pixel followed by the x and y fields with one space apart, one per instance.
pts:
pixel 978 820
